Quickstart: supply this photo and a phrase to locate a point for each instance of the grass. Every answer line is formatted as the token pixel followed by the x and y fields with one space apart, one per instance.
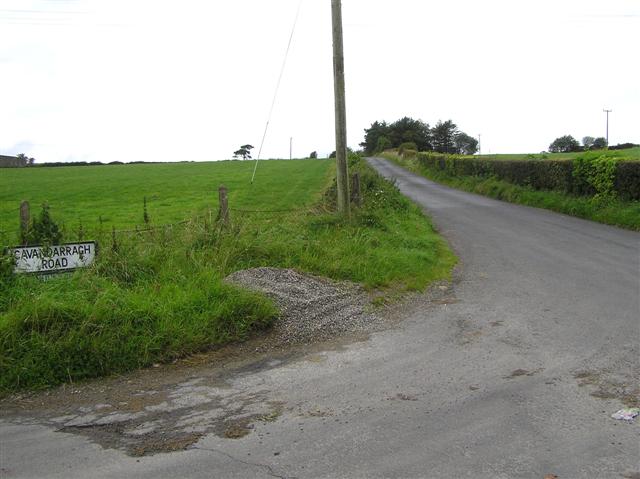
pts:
pixel 627 154
pixel 160 295
pixel 625 214
pixel 102 197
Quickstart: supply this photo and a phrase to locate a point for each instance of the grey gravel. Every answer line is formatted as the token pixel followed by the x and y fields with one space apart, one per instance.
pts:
pixel 312 308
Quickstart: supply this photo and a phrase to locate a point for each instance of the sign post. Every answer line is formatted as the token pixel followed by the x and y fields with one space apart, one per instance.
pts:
pixel 54 259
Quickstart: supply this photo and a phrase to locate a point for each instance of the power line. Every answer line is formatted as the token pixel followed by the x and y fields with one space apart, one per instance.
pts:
pixel 275 95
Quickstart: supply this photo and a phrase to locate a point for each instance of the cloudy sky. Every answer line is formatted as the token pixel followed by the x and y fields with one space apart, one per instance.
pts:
pixel 104 80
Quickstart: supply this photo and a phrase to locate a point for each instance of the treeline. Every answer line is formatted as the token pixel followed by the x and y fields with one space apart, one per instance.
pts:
pixel 95 163
pixel 10 162
pixel 410 134
pixel 568 144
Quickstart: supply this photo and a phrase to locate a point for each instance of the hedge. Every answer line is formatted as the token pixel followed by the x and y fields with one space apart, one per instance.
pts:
pixel 587 175
pixel 627 181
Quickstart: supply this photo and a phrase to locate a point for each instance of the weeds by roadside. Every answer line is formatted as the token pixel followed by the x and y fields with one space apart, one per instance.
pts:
pixel 602 208
pixel 160 294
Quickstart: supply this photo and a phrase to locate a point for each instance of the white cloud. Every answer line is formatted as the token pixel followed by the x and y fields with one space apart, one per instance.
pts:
pixel 106 80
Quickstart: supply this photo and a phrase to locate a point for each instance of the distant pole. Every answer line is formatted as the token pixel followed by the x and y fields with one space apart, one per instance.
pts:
pixel 291 148
pixel 607 112
pixel 479 144
pixel 342 175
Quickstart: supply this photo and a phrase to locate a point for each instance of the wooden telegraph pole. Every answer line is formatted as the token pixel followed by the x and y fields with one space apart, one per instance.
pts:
pixel 341 109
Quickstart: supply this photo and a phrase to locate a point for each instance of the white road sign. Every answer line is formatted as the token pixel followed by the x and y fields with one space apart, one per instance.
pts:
pixel 53 259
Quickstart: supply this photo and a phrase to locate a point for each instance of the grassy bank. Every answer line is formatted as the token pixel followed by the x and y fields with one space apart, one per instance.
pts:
pixel 625 214
pixel 158 295
pixel 628 154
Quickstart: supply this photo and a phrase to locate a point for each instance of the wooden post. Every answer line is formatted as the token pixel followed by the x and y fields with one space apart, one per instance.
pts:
pixel 342 174
pixel 356 196
pixel 114 241
pixel 223 211
pixel 24 222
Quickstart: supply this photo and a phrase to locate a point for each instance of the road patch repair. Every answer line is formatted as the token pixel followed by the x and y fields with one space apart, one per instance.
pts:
pixel 170 407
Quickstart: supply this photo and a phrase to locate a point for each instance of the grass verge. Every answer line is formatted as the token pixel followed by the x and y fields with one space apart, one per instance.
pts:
pixel 158 295
pixel 632 154
pixel 625 214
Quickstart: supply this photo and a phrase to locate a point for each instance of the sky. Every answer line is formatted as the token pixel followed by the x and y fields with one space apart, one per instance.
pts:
pixel 154 80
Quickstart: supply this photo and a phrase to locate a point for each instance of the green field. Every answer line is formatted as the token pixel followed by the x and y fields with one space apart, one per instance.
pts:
pixel 627 154
pixel 102 197
pixel 159 295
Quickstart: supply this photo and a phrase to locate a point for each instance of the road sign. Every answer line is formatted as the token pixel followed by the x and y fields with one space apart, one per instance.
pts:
pixel 53 259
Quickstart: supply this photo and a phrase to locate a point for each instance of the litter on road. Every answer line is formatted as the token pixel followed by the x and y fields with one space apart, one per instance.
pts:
pixel 626 414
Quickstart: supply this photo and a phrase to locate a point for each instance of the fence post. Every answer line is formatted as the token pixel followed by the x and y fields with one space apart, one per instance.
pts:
pixel 223 211
pixel 24 221
pixel 356 196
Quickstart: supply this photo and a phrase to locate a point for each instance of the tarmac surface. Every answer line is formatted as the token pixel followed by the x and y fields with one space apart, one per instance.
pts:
pixel 512 371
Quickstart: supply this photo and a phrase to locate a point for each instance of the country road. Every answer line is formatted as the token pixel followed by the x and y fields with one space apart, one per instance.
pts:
pixel 513 372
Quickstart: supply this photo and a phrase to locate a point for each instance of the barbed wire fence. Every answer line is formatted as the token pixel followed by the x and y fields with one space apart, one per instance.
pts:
pixel 209 219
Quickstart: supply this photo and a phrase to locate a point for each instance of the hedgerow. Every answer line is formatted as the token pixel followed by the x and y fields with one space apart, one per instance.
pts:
pixel 601 176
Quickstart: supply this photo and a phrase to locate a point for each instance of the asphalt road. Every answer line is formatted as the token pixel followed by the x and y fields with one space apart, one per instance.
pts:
pixel 514 372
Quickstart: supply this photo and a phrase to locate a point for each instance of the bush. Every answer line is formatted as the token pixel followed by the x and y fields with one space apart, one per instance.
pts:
pixel 590 174
pixel 44 230
pixel 627 180
pixel 409 145
pixel 382 144
pixel 595 175
pixel 623 146
pixel 409 153
pixel 564 144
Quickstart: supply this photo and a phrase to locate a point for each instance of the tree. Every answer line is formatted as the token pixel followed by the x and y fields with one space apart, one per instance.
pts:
pixel 313 155
pixel 244 152
pixel 444 135
pixel 465 144
pixel 372 135
pixel 408 130
pixel 443 138
pixel 401 131
pixel 22 159
pixel 382 144
pixel 587 142
pixel 564 144
pixel 599 143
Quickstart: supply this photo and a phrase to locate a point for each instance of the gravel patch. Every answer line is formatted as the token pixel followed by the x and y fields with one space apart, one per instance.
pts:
pixel 312 308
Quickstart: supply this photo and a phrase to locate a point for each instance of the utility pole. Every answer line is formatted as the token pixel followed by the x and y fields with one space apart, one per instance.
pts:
pixel 607 112
pixel 479 143
pixel 342 175
pixel 291 148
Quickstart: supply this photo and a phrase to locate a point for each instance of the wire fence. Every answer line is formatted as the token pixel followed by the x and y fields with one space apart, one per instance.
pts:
pixel 208 219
